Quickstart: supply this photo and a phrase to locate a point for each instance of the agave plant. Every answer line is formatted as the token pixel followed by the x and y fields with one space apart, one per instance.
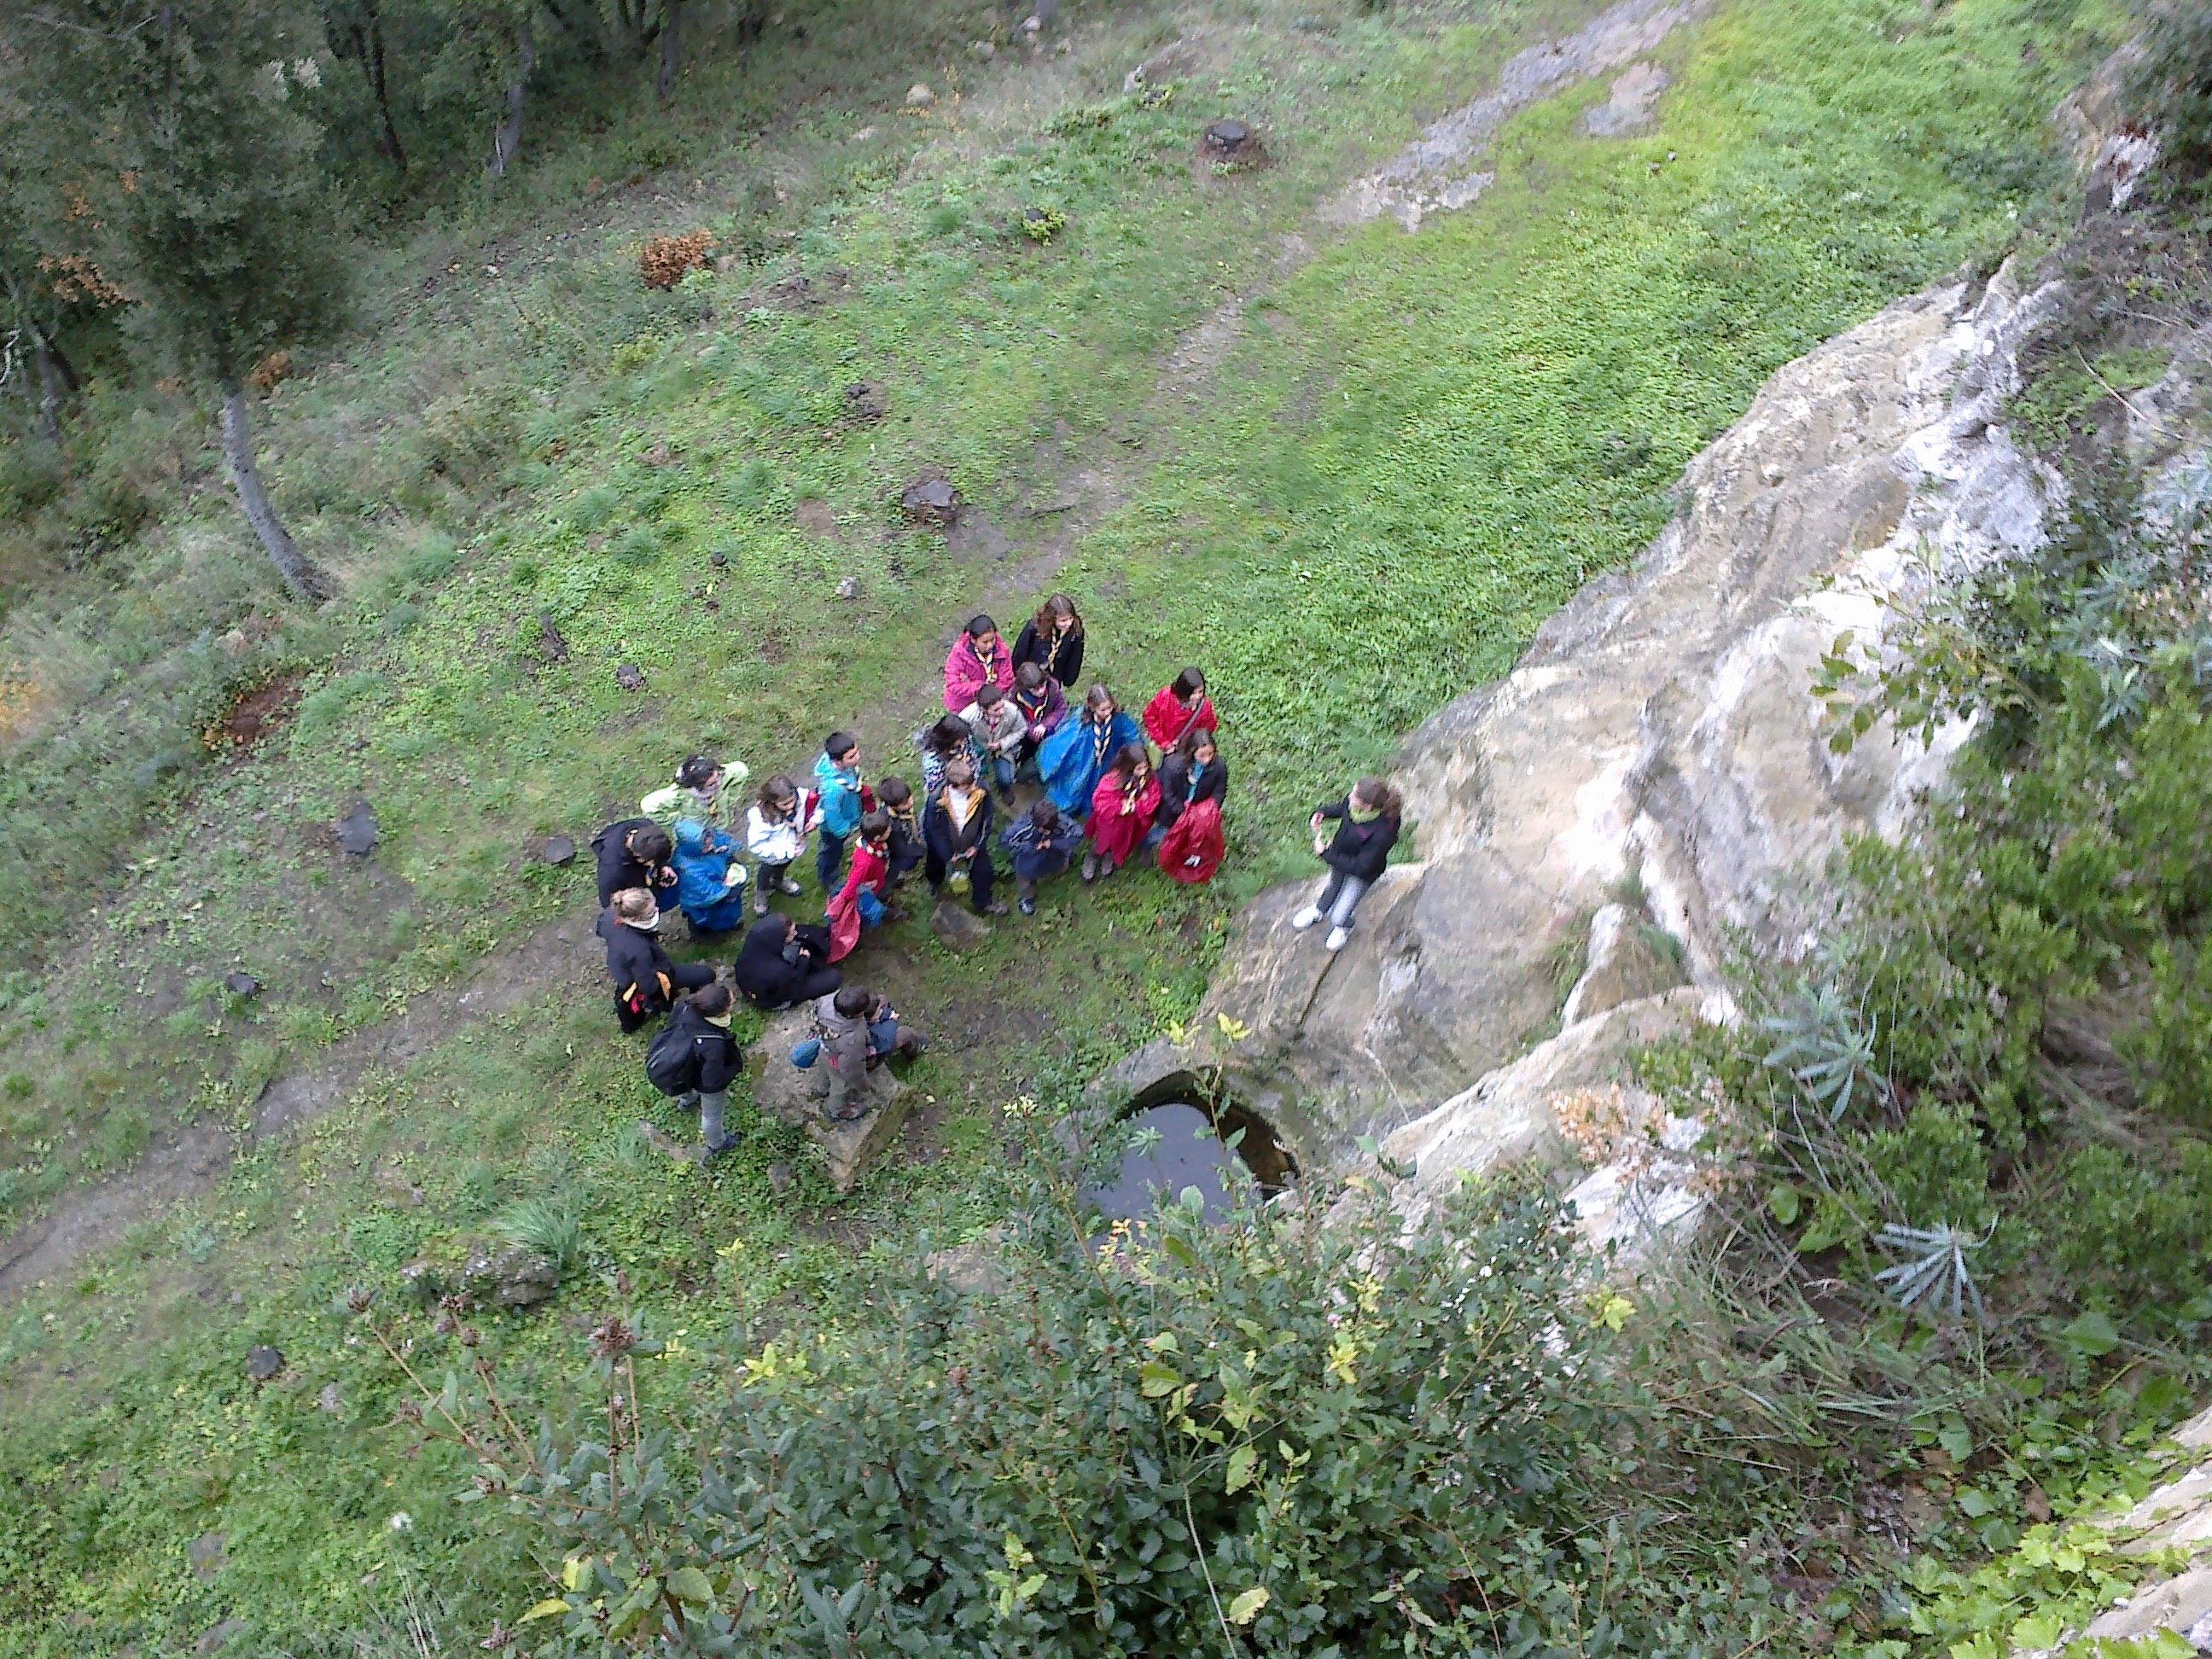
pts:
pixel 1933 1270
pixel 1824 1050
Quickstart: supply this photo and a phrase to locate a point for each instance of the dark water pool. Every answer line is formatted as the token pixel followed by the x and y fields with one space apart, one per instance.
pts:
pixel 1188 1153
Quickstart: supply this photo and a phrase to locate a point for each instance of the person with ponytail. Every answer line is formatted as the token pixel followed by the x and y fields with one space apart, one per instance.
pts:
pixel 1366 828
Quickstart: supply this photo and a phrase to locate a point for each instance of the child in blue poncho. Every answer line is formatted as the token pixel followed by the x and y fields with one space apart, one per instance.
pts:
pixel 1074 758
pixel 710 884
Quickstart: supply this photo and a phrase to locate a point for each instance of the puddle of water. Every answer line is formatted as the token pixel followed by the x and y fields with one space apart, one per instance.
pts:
pixel 1187 1154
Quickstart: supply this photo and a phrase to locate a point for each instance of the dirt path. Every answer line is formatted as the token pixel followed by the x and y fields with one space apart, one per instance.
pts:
pixel 1429 175
pixel 94 1217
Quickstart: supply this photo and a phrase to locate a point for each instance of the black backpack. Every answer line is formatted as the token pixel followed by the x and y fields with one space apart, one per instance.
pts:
pixel 671 1059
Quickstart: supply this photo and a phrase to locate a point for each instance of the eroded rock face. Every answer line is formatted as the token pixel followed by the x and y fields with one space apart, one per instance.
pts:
pixel 1662 722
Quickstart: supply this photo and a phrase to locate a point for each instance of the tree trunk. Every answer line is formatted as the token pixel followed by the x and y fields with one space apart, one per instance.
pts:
pixel 306 581
pixel 670 48
pixel 375 63
pixel 50 389
pixel 508 138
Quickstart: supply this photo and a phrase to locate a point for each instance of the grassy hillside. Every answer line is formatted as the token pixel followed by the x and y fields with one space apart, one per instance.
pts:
pixel 1413 449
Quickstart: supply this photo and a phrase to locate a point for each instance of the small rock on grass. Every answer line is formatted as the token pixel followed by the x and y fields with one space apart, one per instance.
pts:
pixel 959 927
pixel 558 850
pixel 263 1362
pixel 357 830
pixel 848 588
pixel 779 1176
pixel 240 984
pixel 629 677
pixel 919 96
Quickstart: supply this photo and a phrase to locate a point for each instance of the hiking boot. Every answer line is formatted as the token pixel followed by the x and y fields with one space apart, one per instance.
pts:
pixel 995 907
pixel 759 901
pixel 1338 938
pixel 709 1154
pixel 1029 907
pixel 1306 918
pixel 791 886
pixel 1089 867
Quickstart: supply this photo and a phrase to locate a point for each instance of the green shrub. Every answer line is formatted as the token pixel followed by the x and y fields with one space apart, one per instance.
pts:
pixel 2130 1235
pixel 1317 1439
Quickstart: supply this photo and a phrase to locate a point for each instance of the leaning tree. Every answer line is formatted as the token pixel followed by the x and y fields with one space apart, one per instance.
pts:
pixel 223 231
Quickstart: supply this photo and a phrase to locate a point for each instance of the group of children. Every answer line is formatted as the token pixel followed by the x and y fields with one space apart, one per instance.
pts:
pixel 1007 721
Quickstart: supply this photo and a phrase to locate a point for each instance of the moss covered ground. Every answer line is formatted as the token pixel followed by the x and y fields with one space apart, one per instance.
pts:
pixel 1410 449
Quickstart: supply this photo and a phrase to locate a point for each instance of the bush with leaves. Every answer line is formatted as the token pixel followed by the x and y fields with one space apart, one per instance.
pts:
pixel 1279 1433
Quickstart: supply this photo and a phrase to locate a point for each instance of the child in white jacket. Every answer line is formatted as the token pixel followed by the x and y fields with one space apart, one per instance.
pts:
pixel 777 824
pixel 1001 728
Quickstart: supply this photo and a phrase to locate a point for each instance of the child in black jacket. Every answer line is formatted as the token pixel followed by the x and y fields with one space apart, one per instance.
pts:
pixel 645 981
pixel 1366 829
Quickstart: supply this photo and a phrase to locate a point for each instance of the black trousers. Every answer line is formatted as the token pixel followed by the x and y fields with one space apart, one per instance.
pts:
pixel 980 875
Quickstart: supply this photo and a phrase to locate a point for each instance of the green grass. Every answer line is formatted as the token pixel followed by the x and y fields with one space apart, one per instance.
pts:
pixel 1419 448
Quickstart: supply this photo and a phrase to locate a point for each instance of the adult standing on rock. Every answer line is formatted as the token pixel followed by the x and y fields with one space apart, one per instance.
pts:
pixel 784 963
pixel 645 981
pixel 978 658
pixel 636 853
pixel 1053 640
pixel 1366 829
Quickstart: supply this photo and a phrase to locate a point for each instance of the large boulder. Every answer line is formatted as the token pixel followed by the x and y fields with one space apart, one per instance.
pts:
pixel 1659 732
pixel 793 1095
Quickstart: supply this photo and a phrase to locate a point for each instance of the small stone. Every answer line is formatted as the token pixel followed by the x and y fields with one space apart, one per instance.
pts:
pixel 779 1176
pixel 959 927
pixel 629 677
pixel 968 1269
pixel 931 501
pixel 511 1276
pixel 982 51
pixel 330 1400
pixel 919 96
pixel 868 400
pixel 240 984
pixel 864 134
pixel 1227 139
pixel 204 1552
pixel 848 587
pixel 659 455
pixel 550 645
pixel 357 830
pixel 233 643
pixel 219 1637
pixel 557 851
pixel 263 1362
pixel 720 561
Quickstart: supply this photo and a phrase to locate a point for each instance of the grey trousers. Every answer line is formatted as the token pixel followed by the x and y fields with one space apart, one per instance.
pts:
pixel 1342 898
pixel 710 1108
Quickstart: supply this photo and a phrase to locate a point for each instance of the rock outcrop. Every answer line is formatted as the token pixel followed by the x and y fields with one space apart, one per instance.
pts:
pixel 1659 742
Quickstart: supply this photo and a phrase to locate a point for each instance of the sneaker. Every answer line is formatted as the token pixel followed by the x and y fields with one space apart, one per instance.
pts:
pixel 1107 868
pixel 1338 938
pixel 995 907
pixel 1306 918
pixel 687 1102
pixel 791 886
pixel 709 1154
pixel 1029 907
pixel 760 902
pixel 1090 867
